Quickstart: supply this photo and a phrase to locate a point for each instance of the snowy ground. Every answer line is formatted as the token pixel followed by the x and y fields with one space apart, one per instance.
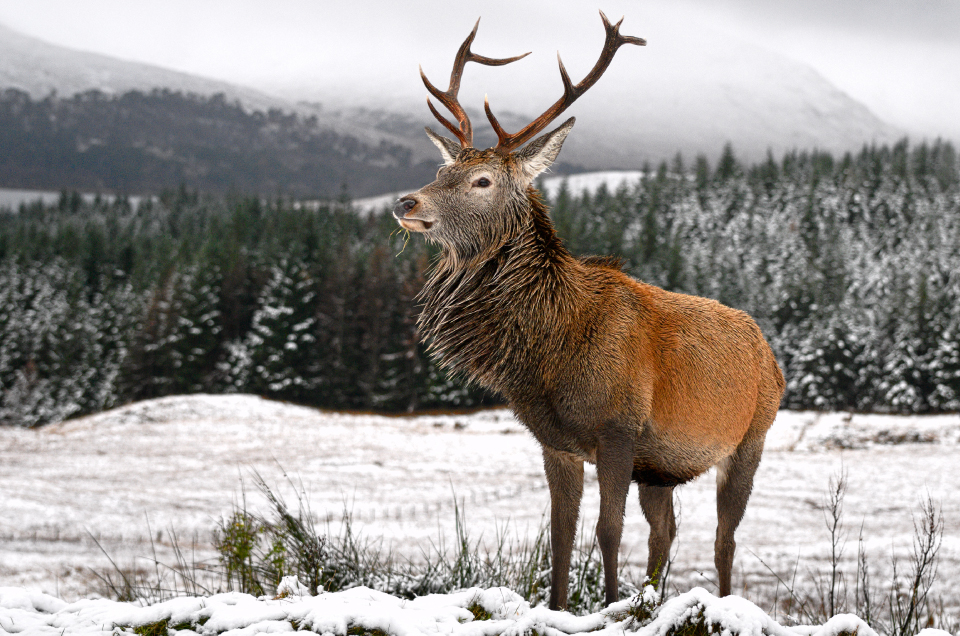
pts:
pixel 178 463
pixel 362 610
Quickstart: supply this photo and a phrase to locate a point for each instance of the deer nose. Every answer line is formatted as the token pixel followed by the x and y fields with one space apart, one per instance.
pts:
pixel 403 206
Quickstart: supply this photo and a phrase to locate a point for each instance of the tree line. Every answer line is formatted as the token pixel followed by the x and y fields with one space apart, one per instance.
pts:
pixel 851 267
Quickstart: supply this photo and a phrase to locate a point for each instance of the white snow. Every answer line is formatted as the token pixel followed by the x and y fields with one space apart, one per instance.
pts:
pixel 11 199
pixel 368 205
pixel 177 463
pixel 590 181
pixel 446 614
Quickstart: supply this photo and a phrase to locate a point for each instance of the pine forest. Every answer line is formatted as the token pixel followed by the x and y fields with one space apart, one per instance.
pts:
pixel 850 265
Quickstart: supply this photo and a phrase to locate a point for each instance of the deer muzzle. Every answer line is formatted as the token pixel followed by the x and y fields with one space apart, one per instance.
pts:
pixel 407 213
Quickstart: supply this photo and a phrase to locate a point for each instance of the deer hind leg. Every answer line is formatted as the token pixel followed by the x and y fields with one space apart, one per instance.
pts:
pixel 734 483
pixel 657 505
pixel 565 478
pixel 615 450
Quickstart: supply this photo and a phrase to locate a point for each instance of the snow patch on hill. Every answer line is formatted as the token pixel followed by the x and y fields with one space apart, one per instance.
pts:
pixel 576 184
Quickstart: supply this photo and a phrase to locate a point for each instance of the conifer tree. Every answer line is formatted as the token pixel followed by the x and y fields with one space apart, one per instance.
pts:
pixel 280 346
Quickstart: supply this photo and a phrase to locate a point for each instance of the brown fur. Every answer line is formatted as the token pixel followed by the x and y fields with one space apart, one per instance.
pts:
pixel 574 344
pixel 652 386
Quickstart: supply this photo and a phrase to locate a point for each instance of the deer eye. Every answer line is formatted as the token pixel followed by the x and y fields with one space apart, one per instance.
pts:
pixel 482 182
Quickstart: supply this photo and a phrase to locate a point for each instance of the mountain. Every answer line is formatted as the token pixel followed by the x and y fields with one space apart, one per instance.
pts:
pixel 679 99
pixel 670 96
pixel 82 121
pixel 39 68
pixel 147 142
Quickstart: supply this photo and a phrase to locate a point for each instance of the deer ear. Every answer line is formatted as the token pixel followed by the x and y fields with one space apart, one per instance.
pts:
pixel 449 149
pixel 540 153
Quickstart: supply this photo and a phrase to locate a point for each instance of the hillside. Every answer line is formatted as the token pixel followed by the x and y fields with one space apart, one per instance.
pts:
pixel 140 128
pixel 40 69
pixel 145 142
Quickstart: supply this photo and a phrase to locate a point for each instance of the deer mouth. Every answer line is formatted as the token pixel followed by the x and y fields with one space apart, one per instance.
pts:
pixel 415 225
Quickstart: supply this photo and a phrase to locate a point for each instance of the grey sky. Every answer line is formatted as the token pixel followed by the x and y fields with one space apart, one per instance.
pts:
pixel 899 58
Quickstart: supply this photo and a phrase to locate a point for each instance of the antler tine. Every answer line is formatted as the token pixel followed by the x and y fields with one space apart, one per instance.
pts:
pixel 463 130
pixel 614 40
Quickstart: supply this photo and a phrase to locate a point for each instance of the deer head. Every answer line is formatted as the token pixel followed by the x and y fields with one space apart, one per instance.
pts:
pixel 479 198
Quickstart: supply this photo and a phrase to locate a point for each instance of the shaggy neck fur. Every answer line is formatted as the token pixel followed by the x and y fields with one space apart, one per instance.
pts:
pixel 488 315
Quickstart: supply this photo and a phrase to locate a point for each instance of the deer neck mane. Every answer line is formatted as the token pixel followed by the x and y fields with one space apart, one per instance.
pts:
pixel 488 317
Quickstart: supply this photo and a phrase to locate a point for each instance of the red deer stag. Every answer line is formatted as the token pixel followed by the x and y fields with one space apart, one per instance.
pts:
pixel 652 386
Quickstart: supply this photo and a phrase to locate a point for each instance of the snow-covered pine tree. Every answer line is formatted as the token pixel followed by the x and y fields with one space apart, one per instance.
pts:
pixel 33 304
pixel 178 342
pixel 278 357
pixel 152 363
pixel 198 347
pixel 60 350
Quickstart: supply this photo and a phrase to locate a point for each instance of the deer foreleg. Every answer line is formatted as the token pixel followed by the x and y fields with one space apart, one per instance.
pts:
pixel 565 478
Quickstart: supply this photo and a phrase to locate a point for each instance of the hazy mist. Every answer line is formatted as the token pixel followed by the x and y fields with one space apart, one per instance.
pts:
pixel 898 58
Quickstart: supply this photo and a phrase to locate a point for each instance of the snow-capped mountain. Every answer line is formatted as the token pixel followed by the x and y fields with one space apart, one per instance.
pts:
pixel 692 88
pixel 653 102
pixel 39 68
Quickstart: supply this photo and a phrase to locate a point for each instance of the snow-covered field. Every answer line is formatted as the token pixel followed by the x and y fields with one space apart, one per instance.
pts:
pixel 178 463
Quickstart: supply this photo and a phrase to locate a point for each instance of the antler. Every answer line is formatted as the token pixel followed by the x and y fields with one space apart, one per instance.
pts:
pixel 464 131
pixel 571 92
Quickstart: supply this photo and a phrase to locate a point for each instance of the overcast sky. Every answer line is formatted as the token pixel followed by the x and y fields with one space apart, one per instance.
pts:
pixel 900 58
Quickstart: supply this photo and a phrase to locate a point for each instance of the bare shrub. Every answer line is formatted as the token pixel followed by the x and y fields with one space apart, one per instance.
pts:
pixel 901 608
